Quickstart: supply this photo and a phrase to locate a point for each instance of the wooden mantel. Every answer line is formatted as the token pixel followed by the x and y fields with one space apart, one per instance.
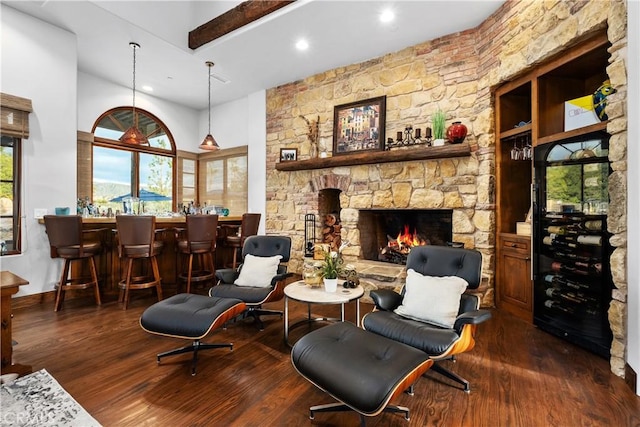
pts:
pixel 371 157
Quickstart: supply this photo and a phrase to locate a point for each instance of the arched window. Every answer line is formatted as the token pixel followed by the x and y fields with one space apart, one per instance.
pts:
pixel 120 170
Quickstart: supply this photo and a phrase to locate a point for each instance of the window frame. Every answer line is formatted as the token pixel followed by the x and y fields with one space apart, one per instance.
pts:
pixel 17 201
pixel 136 150
pixel 221 155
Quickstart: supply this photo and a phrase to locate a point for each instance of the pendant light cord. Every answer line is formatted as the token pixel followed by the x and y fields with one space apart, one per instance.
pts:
pixel 210 65
pixel 134 46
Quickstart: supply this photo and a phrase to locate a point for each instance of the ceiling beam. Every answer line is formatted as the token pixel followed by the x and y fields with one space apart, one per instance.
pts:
pixel 241 15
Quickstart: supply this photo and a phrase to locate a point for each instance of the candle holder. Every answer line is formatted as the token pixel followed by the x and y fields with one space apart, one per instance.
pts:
pixel 406 138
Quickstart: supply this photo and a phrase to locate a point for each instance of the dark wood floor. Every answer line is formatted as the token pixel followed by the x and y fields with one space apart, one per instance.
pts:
pixel 520 376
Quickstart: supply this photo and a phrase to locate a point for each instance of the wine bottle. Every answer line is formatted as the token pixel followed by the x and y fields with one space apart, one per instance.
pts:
pixel 556 229
pixel 577 285
pixel 568 268
pixel 552 240
pixel 553 292
pixel 593 225
pixel 553 304
pixel 585 239
pixel 555 280
pixel 589 267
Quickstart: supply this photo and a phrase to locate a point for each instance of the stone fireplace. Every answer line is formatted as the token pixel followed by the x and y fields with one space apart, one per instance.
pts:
pixel 388 235
pixel 445 196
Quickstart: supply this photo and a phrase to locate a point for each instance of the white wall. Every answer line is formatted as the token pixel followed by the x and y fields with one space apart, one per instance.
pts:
pixel 96 95
pixel 633 183
pixel 237 123
pixel 39 63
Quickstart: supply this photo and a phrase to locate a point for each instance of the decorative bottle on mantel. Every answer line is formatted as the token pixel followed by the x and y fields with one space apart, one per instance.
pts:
pixel 456 133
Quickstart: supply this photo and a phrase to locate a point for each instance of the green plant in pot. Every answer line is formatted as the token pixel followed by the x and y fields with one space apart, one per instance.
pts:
pixel 438 120
pixel 332 267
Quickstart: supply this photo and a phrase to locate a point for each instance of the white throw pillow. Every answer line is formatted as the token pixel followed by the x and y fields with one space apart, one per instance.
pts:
pixel 257 271
pixel 432 299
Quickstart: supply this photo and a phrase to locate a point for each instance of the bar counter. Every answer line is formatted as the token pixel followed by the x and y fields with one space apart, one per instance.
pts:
pixel 169 262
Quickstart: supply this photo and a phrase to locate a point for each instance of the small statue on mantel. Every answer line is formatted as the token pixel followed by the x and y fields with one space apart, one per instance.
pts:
pixel 312 135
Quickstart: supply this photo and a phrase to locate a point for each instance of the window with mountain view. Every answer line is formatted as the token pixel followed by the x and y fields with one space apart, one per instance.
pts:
pixel 122 170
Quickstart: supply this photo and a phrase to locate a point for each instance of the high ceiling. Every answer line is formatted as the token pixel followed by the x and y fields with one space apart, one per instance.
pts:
pixel 257 56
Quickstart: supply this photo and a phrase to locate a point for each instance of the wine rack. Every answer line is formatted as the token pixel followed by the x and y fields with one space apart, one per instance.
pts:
pixel 572 276
pixel 573 290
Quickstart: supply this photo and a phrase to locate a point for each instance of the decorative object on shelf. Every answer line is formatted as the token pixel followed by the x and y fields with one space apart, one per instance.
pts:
pixel 438 120
pixel 133 135
pixel 312 135
pixel 406 138
pixel 209 143
pixel 350 276
pixel 309 234
pixel 368 134
pixel 288 154
pixel 456 133
pixel 319 250
pixel 312 273
pixel 600 99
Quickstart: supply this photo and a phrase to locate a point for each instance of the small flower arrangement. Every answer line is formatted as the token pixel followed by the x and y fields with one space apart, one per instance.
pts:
pixel 332 265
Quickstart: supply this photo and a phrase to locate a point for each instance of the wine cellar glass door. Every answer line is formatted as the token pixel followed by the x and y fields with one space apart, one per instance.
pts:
pixel 572 278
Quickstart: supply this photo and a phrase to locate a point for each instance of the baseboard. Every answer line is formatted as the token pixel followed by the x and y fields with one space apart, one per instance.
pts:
pixel 631 378
pixel 33 300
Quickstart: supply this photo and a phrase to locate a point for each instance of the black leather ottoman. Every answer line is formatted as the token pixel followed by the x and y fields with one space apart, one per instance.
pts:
pixel 190 317
pixel 361 370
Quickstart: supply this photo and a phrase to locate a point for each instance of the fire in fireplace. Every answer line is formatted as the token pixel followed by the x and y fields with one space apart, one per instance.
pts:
pixel 399 247
pixel 389 234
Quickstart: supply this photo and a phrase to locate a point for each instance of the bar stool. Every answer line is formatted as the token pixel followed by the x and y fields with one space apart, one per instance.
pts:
pixel 198 241
pixel 136 242
pixel 248 227
pixel 66 242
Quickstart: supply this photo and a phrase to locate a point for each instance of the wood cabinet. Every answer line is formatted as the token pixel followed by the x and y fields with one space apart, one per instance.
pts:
pixel 9 284
pixel 515 293
pixel 530 113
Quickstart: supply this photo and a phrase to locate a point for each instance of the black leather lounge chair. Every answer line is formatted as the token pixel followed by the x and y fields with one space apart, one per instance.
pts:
pixel 438 341
pixel 260 278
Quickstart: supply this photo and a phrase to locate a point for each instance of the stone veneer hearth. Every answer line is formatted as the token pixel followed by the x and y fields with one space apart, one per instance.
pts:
pixel 455 73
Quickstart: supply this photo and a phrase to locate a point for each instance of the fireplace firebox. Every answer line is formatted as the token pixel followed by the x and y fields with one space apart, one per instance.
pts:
pixel 389 234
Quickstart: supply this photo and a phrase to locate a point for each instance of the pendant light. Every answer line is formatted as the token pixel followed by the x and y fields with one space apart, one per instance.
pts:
pixel 133 135
pixel 209 142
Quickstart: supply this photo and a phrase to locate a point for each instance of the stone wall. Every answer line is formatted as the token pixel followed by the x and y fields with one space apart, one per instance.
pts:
pixel 456 74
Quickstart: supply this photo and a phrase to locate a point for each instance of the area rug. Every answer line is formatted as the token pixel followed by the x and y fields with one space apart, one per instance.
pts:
pixel 38 399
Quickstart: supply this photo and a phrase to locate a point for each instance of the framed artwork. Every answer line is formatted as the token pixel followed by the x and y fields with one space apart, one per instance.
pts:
pixel 359 126
pixel 288 154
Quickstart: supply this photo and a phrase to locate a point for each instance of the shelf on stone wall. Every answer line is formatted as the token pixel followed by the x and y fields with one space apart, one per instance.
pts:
pixel 371 157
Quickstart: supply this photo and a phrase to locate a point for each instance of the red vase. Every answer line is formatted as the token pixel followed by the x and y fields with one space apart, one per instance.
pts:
pixel 457 132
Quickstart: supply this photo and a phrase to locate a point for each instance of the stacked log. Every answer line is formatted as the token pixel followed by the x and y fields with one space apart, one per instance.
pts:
pixel 331 231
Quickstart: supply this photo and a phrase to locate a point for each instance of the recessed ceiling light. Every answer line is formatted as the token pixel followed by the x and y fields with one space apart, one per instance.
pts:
pixel 387 15
pixel 147 88
pixel 302 45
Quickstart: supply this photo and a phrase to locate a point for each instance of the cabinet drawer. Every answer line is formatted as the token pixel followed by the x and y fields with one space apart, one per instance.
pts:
pixel 514 244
